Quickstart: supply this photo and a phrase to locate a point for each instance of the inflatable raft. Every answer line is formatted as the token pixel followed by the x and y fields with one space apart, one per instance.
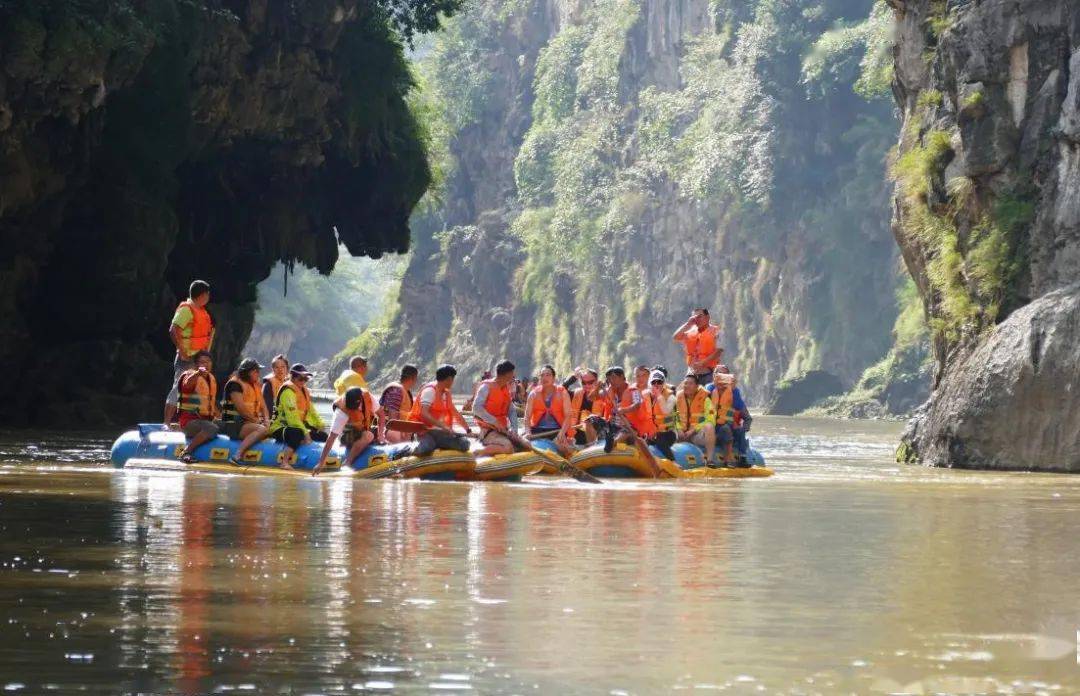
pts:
pixel 625 461
pixel 508 467
pixel 150 447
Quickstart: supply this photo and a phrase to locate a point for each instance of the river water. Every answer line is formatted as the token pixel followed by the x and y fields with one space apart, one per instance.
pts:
pixel 844 573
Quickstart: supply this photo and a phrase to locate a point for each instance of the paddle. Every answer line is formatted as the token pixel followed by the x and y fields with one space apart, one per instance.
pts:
pixel 545 434
pixel 405 426
pixel 641 446
pixel 563 465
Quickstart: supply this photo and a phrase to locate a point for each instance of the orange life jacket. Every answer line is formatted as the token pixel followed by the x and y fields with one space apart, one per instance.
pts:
pixel 248 394
pixel 359 418
pixel 701 344
pixel 441 408
pixel 598 406
pixel 201 328
pixel 197 399
pixel 641 418
pixel 539 408
pixel 499 402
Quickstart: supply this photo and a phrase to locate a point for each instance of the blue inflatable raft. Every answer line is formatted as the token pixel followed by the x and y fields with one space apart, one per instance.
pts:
pixel 151 447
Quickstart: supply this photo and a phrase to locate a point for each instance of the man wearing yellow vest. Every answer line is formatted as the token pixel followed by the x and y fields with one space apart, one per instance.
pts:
pixel 721 393
pixel 695 417
pixel 191 330
pixel 701 340
pixel 355 376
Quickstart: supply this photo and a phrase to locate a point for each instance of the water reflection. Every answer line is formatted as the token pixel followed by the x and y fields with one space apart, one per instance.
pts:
pixel 807 583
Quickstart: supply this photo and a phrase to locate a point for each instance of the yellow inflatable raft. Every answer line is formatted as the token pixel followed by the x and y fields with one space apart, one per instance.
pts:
pixel 625 461
pixel 440 465
pixel 508 467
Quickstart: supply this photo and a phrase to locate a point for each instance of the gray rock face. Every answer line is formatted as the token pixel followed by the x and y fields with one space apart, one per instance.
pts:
pixel 796 395
pixel 1012 402
pixel 992 223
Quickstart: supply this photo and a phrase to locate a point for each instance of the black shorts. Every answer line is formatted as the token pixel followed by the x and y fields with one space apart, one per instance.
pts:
pixel 231 429
pixel 292 437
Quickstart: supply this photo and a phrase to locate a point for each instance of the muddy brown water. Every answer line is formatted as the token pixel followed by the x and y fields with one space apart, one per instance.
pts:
pixel 844 573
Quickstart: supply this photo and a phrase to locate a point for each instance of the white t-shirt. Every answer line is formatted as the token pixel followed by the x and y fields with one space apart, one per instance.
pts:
pixel 341 419
pixel 427 396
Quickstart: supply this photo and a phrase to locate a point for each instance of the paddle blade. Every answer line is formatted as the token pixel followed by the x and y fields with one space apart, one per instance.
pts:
pixel 404 426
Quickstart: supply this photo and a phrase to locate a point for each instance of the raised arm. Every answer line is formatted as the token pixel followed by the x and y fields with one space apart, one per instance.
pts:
pixel 680 333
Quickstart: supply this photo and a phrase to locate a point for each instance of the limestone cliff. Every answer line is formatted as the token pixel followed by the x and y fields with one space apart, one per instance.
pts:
pixel 149 142
pixel 617 162
pixel 987 215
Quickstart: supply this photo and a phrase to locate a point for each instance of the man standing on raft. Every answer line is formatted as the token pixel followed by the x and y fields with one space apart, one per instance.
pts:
pixel 700 339
pixel 191 331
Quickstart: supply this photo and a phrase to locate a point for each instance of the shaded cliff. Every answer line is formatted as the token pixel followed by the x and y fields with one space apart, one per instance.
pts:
pixel 987 215
pixel 616 162
pixel 149 142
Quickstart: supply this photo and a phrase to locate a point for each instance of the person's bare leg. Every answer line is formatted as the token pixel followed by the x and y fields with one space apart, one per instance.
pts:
pixel 709 435
pixel 252 433
pixel 590 433
pixel 643 447
pixel 200 439
pixel 358 447
pixel 492 450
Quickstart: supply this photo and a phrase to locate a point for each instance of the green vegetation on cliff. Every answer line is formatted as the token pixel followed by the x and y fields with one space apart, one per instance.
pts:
pixel 628 170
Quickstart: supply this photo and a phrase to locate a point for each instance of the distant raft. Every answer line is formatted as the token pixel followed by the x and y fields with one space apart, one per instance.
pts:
pixel 151 447
pixel 625 461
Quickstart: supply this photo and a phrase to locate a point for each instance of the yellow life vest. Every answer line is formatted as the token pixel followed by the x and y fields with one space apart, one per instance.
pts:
pixel 693 412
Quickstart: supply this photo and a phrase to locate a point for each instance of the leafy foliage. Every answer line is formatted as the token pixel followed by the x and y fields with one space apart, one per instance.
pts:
pixel 833 52
pixel 412 17
pixel 309 314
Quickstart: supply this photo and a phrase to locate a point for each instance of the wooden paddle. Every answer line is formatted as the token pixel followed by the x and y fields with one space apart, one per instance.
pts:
pixel 405 426
pixel 641 445
pixel 545 434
